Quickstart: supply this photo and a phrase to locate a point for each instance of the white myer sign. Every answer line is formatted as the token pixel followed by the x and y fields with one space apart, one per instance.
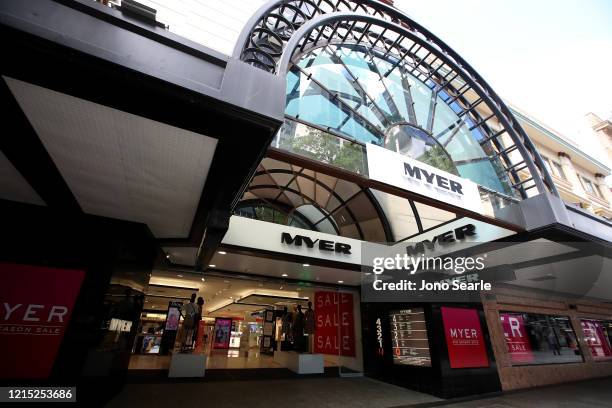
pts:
pixel 401 171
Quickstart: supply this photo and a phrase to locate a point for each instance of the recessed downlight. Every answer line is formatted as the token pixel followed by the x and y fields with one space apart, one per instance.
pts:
pixel 305 264
pixel 212 266
pixel 340 281
pixel 179 275
pixel 221 252
pixel 284 275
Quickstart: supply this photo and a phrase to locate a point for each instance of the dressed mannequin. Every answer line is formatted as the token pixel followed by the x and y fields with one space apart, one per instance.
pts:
pixel 198 318
pixel 310 326
pixel 189 316
pixel 297 329
pixel 286 323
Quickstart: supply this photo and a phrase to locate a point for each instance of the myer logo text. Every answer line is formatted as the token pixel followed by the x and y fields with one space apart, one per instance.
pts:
pixel 321 244
pixel 432 178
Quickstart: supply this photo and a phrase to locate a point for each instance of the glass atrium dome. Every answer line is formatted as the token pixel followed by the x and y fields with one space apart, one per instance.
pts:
pixel 361 71
pixel 364 95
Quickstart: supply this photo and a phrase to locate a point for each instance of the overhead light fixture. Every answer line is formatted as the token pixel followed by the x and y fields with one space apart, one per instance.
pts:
pixel 180 276
pixel 212 266
pixel 203 280
pixel 340 281
pixel 168 256
pixel 222 252
pixel 305 264
pixel 284 275
pixel 231 297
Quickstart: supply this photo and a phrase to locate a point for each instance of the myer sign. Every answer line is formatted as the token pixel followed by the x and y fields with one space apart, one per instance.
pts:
pixel 401 171
pixel 266 236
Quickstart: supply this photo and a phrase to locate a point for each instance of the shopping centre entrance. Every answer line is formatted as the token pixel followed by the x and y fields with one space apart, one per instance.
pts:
pixel 246 323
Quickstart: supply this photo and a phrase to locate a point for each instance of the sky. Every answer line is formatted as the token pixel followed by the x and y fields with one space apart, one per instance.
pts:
pixel 551 59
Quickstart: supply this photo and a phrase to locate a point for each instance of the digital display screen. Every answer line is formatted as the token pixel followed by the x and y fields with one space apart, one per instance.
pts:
pixel 409 340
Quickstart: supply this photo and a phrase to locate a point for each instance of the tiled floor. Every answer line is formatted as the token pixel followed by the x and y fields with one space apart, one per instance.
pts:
pixel 226 359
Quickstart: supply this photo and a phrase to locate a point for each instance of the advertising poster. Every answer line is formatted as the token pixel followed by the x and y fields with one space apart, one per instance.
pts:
pixel 596 339
pixel 517 341
pixel 464 338
pixel 173 316
pixel 222 333
pixel 34 317
pixel 409 340
pixel 335 330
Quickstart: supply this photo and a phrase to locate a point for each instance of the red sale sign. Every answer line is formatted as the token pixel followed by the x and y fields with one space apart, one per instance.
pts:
pixel 335 330
pixel 36 304
pixel 596 339
pixel 516 337
pixel 464 338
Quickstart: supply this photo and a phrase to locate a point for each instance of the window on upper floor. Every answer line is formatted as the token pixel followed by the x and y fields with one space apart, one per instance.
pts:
pixel 558 170
pixel 589 186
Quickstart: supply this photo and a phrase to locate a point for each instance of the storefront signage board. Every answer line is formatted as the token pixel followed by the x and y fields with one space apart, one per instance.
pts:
pixel 401 171
pixel 37 303
pixel 335 323
pixel 464 338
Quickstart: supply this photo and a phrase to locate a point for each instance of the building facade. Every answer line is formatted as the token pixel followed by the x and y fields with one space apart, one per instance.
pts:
pixel 148 170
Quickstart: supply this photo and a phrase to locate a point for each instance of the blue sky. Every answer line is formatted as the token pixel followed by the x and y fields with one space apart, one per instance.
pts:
pixel 552 59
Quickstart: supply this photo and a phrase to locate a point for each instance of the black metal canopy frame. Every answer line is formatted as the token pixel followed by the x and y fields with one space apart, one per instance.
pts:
pixel 281 32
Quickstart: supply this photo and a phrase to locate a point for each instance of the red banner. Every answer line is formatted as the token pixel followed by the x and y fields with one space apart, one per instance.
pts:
pixel 464 338
pixel 516 337
pixel 36 304
pixel 335 331
pixel 596 339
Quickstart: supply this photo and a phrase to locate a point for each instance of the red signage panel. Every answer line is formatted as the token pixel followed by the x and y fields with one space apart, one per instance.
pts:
pixel 335 330
pixel 35 307
pixel 596 339
pixel 516 337
pixel 464 338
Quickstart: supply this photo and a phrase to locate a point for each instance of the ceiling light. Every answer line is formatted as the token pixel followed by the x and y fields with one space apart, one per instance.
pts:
pixel 231 297
pixel 168 256
pixel 284 275
pixel 180 276
pixel 203 280
pixel 212 266
pixel 340 281
pixel 222 252
pixel 305 264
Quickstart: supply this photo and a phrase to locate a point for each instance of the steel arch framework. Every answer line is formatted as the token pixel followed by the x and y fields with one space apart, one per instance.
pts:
pixel 281 31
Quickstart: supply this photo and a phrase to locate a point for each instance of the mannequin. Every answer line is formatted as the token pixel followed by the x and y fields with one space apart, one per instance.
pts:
pixel 297 329
pixel 197 318
pixel 310 326
pixel 189 316
pixel 286 323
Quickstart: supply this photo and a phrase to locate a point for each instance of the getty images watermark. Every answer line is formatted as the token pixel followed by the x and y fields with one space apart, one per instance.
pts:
pixel 454 267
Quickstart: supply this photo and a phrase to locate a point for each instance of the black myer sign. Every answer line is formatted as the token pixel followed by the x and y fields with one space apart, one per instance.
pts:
pixel 448 237
pixel 321 244
pixel 432 178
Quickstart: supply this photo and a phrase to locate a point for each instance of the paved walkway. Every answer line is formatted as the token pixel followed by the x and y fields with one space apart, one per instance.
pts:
pixel 592 394
pixel 302 393
pixel 347 392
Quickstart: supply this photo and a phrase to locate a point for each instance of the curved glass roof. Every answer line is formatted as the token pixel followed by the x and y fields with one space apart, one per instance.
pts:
pixel 287 194
pixel 367 96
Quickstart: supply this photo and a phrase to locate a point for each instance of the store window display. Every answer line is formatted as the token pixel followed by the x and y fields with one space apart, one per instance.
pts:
pixel 539 339
pixel 598 335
